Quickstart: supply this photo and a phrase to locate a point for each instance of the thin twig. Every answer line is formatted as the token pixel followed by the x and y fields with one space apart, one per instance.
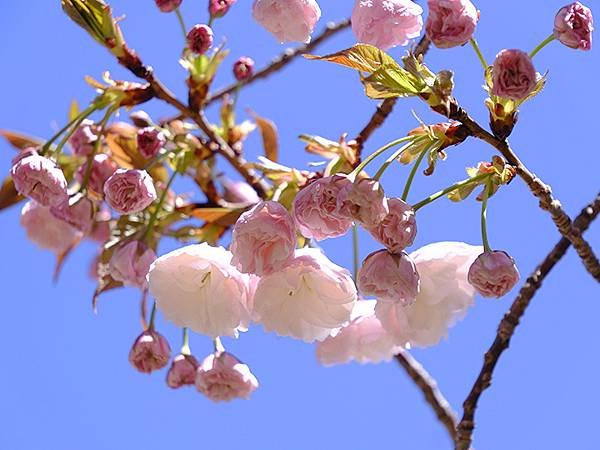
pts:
pixel 432 394
pixel 509 323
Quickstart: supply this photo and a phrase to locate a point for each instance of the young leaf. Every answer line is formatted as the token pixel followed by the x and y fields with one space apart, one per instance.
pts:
pixel 362 57
pixel 20 141
pixel 392 81
pixel 8 194
pixel 268 131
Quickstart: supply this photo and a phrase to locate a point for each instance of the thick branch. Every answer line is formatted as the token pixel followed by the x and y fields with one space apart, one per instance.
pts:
pixel 510 322
pixel 432 394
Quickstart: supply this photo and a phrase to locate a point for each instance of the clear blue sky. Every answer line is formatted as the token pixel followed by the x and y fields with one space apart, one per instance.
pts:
pixel 66 382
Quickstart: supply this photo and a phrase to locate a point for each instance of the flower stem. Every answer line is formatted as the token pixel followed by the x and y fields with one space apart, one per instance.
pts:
pixel 152 317
pixel 79 118
pixel 542 45
pixel 475 46
pixel 185 348
pixel 218 345
pixel 355 250
pixel 413 172
pixel 390 160
pixel 181 23
pixel 159 205
pixel 449 189
pixel 484 202
pixel 378 152
pixel 88 169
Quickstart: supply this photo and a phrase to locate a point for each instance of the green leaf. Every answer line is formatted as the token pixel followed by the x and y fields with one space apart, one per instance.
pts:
pixel 392 81
pixel 462 192
pixel 363 57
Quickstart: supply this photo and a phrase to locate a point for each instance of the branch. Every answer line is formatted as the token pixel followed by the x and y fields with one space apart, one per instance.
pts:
pixel 432 394
pixel 510 322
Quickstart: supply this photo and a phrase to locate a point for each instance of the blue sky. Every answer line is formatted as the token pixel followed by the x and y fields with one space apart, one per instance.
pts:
pixel 66 382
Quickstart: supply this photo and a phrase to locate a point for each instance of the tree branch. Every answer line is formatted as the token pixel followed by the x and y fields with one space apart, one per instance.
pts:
pixel 509 323
pixel 432 394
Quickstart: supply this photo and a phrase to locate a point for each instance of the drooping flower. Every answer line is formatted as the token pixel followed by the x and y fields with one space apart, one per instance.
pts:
pixel 444 297
pixel 222 378
pixel 287 20
pixel 197 287
pixel 513 75
pixel 45 230
pixel 386 23
pixel 218 8
pixel 131 262
pixel 103 167
pixel 39 178
pixel 77 212
pixel 263 239
pixel 366 203
pixel 150 141
pixel 363 339
pixel 238 191
pixel 129 191
pixel 318 208
pixel 493 274
pixel 182 371
pixel 451 23
pixel 200 39
pixel 84 138
pixel 573 26
pixel 306 299
pixel 243 68
pixel 398 228
pixel 150 352
pixel 102 226
pixel 168 6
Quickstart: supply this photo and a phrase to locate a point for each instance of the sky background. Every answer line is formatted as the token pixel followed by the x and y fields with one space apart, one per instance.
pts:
pixel 65 381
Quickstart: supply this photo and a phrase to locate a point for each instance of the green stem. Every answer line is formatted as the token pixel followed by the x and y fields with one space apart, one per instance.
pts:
pixel 181 23
pixel 475 46
pixel 413 172
pixel 162 156
pixel 484 203
pixel 378 152
pixel 210 21
pixel 218 345
pixel 88 169
pixel 152 317
pixel 542 45
pixel 449 189
pixel 66 137
pixel 80 117
pixel 185 348
pixel 390 160
pixel 355 250
pixel 159 205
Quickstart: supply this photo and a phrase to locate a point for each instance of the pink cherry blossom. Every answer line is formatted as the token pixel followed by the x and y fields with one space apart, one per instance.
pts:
pixel 150 352
pixel 573 26
pixel 263 239
pixel 84 138
pixel 39 178
pixel 222 378
pixel 513 75
pixel 238 191
pixel 451 22
pixel 182 371
pixel 306 299
pixel 493 274
pixel 129 191
pixel 386 23
pixel 197 287
pixel 77 212
pixel 102 169
pixel 218 8
pixel 287 20
pixel 363 339
pixel 167 6
pixel 243 68
pixel 318 208
pixel 444 297
pixel 150 141
pixel 131 262
pixel 398 228
pixel 200 39
pixel 45 230
pixel 389 278
pixel 365 202
pixel 102 226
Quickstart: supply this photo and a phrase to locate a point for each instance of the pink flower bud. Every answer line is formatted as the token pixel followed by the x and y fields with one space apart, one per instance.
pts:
pixel 389 278
pixel 168 6
pixel 129 191
pixel 150 352
pixel 263 239
pixel 451 23
pixel 218 8
pixel 318 208
pixel 239 192
pixel 200 39
pixel 39 178
pixel 513 75
pixel 131 262
pixel 287 20
pixel 243 68
pixel 222 377
pixel 398 229
pixel 182 371
pixel 366 202
pixel 47 231
pixel 82 141
pixel 386 23
pixel 150 141
pixel 77 212
pixel 102 169
pixel 493 274
pixel 573 26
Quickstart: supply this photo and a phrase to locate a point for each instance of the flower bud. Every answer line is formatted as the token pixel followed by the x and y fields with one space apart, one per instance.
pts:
pixel 398 228
pixel 513 75
pixel 131 262
pixel 102 169
pixel 182 371
pixel 493 274
pixel 389 278
pixel 200 39
pixel 451 23
pixel 573 26
pixel 243 68
pixel 222 377
pixel 366 202
pixel 150 141
pixel 150 352
pixel 39 178
pixel 168 6
pixel 218 8
pixel 82 141
pixel 238 191
pixel 129 191
pixel 287 20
